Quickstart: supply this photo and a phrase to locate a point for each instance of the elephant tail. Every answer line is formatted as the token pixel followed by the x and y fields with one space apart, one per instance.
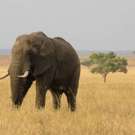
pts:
pixel 75 80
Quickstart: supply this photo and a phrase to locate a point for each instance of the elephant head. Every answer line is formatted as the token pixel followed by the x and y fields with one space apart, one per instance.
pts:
pixel 32 55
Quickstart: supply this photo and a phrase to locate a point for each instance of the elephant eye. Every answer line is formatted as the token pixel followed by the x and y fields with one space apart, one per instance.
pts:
pixel 35 48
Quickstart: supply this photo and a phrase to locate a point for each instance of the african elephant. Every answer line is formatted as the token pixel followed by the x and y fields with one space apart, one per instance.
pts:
pixel 51 62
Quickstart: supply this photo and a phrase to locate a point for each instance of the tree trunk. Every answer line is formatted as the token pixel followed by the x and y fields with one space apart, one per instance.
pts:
pixel 104 76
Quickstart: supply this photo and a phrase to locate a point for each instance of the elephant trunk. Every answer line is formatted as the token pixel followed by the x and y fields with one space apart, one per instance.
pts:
pixel 18 82
pixel 15 83
pixel 19 65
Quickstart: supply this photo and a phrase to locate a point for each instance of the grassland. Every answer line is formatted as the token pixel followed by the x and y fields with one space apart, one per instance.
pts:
pixel 102 109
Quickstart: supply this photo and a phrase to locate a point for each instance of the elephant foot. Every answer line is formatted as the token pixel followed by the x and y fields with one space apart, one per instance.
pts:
pixel 73 109
pixel 16 106
pixel 56 107
pixel 40 107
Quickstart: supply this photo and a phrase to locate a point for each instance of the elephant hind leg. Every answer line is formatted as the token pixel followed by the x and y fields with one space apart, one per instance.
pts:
pixel 56 99
pixel 71 99
pixel 71 92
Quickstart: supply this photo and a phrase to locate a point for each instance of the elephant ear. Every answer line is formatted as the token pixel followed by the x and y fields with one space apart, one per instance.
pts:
pixel 42 57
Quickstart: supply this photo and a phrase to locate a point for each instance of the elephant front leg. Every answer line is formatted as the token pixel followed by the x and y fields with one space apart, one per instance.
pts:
pixel 40 95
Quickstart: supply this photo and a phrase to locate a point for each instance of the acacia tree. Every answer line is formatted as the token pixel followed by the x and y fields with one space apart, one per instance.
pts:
pixel 104 63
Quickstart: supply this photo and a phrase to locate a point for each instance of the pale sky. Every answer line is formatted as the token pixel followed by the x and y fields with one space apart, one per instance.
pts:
pixel 86 24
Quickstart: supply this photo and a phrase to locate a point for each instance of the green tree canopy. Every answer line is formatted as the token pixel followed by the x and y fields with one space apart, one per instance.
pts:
pixel 104 63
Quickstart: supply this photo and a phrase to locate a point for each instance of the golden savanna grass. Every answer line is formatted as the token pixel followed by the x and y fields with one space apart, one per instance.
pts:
pixel 102 109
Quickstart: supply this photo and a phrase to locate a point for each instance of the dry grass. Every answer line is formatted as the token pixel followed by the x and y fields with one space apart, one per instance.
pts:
pixel 131 61
pixel 103 109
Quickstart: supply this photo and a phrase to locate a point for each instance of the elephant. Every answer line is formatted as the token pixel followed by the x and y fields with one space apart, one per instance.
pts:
pixel 51 62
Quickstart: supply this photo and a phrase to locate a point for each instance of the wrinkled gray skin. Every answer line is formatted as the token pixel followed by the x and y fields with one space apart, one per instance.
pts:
pixel 52 63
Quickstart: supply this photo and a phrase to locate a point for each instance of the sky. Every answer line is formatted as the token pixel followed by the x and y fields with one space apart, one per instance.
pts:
pixel 86 24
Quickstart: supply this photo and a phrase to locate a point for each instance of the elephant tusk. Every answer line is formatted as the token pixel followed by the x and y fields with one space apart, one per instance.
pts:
pixel 4 76
pixel 24 75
